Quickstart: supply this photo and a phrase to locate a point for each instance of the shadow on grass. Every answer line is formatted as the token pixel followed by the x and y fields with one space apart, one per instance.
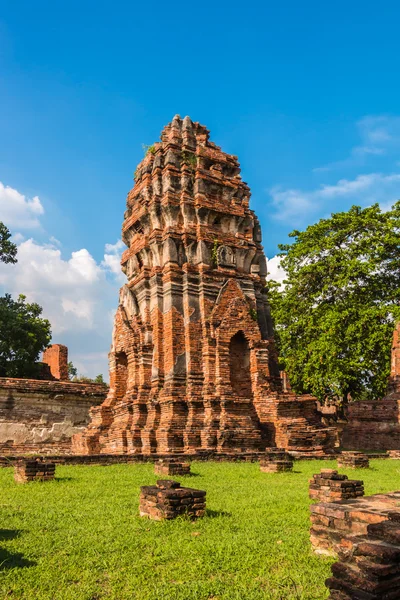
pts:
pixel 9 534
pixel 64 479
pixel 213 514
pixel 9 560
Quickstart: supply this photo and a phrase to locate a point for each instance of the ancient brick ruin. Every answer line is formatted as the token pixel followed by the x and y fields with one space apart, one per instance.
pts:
pixel 34 470
pixel 276 461
pixel 375 424
pixel 56 358
pixel 193 365
pixel 353 460
pixel 42 416
pixel 330 486
pixel 168 500
pixel 365 535
pixel 171 467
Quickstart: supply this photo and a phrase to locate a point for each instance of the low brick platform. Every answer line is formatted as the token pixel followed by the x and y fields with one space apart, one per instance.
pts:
pixel 168 500
pixel 330 486
pixel 171 467
pixel 365 535
pixel 276 460
pixel 34 470
pixel 335 524
pixel 353 460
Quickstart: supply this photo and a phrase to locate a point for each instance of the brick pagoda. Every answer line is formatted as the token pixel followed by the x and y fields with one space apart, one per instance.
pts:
pixel 192 364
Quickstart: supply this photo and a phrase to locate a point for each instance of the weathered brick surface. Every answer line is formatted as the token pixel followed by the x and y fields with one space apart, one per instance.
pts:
pixel 276 460
pixel 168 500
pixel 353 460
pixel 329 486
pixel 34 470
pixel 193 364
pixel 365 535
pixel 41 416
pixel 171 467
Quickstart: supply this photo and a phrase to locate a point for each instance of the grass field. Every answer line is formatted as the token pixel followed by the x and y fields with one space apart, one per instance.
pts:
pixel 80 537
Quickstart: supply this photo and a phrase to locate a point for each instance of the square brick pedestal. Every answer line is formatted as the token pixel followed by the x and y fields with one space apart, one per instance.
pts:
pixel 329 486
pixel 171 467
pixel 276 460
pixel 168 500
pixel 353 460
pixel 34 470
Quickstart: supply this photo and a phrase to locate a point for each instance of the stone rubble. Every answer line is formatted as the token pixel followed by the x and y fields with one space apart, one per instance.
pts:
pixel 168 500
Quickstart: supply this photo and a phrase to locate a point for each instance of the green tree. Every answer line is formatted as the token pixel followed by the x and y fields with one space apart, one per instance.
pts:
pixel 335 316
pixel 72 371
pixel 8 250
pixel 99 379
pixel 23 335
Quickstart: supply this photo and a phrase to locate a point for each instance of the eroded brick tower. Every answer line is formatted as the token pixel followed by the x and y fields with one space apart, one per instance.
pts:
pixel 192 364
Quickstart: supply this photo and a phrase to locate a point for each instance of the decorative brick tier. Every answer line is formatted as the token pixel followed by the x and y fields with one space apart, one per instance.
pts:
pixel 193 364
pixel 365 535
pixel 168 500
pixel 171 467
pixel 353 460
pixel 276 460
pixel 34 470
pixel 329 486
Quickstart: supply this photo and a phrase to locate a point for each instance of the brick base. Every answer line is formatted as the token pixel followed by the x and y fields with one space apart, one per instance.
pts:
pixel 34 470
pixel 276 461
pixel 168 500
pixel 169 467
pixel 353 460
pixel 330 486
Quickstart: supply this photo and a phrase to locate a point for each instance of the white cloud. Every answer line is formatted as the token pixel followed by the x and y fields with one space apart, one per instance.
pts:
pixel 18 211
pixel 379 135
pixel 112 259
pixel 275 271
pixel 298 206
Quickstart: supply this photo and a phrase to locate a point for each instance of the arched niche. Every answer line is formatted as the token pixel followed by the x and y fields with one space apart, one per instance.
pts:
pixel 239 365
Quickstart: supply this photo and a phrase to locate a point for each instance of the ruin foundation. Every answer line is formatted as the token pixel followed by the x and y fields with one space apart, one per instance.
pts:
pixel 171 467
pixel 276 461
pixel 330 486
pixel 193 365
pixel 34 470
pixel 168 500
pixel 353 460
pixel 365 535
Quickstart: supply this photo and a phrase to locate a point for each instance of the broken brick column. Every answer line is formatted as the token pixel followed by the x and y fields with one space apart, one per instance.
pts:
pixel 329 486
pixel 168 500
pixel 276 460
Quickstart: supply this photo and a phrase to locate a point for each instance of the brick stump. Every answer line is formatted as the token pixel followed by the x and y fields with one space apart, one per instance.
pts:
pixel 364 534
pixel 394 454
pixel 171 467
pixel 168 500
pixel 330 486
pixel 353 460
pixel 34 470
pixel 276 460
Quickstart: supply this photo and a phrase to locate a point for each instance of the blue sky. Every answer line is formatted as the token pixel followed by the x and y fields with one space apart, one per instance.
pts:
pixel 306 94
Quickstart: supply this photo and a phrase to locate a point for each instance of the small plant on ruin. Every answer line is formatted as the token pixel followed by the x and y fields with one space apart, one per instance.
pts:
pixel 189 159
pixel 253 314
pixel 148 149
pixel 214 254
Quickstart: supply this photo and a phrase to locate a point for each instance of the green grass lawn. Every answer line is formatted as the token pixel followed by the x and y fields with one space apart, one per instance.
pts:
pixel 80 537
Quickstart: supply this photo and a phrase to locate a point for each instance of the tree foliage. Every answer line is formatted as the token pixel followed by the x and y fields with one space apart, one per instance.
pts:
pixel 23 335
pixel 8 250
pixel 335 316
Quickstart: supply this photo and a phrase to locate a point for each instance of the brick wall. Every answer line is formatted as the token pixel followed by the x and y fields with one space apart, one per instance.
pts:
pixel 56 357
pixel 41 416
